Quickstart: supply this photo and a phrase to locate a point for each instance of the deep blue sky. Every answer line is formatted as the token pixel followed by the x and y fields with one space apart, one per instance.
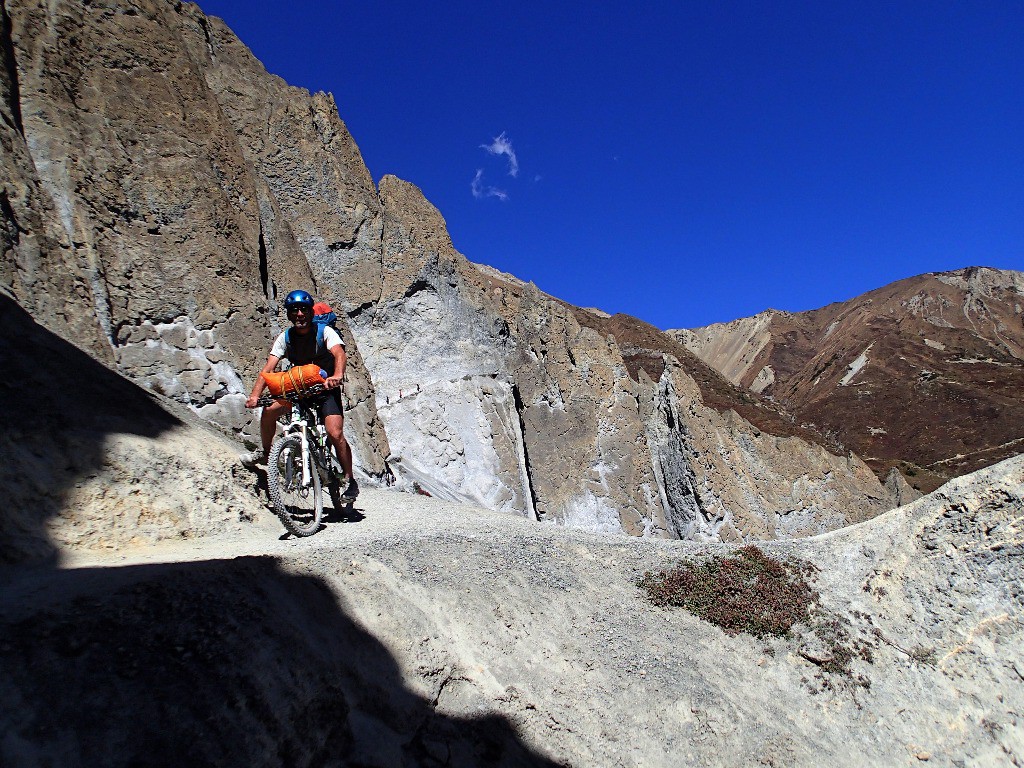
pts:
pixel 683 162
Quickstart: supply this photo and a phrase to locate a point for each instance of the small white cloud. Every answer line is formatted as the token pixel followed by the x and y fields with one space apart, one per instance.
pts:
pixel 481 190
pixel 502 146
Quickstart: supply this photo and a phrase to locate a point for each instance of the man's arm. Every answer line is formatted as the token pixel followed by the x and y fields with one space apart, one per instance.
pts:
pixel 257 388
pixel 340 360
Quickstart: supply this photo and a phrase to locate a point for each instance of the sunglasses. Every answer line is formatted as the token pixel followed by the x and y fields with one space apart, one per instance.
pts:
pixel 297 310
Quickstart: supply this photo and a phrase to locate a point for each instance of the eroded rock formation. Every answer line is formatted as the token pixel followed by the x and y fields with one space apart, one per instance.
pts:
pixel 135 224
pixel 604 445
pixel 165 188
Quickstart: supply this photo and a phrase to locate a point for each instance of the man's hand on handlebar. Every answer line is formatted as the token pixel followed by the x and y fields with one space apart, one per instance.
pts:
pixel 289 397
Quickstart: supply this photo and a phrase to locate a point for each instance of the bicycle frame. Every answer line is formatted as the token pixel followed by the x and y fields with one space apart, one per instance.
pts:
pixel 305 420
pixel 298 423
pixel 300 467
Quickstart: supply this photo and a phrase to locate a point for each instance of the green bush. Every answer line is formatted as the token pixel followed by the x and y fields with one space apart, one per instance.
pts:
pixel 747 592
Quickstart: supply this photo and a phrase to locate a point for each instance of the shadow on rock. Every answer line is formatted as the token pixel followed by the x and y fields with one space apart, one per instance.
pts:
pixel 231 663
pixel 59 405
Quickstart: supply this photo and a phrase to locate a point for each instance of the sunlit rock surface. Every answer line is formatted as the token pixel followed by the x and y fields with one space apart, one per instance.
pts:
pixel 165 190
pixel 601 445
pixel 149 239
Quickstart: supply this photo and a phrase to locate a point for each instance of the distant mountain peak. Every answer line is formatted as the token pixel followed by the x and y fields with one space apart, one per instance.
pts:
pixel 923 374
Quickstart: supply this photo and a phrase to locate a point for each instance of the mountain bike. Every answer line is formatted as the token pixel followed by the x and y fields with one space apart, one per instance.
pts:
pixel 301 462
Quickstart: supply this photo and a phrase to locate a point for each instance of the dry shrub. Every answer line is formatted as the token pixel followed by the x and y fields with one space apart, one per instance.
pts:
pixel 747 592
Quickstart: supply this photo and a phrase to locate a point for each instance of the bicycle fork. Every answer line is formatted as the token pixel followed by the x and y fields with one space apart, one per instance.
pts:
pixel 306 474
pixel 326 456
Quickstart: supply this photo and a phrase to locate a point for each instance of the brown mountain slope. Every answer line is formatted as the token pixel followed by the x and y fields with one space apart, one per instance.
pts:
pixel 924 374
pixel 644 347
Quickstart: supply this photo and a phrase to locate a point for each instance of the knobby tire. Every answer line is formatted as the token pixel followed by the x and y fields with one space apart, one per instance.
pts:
pixel 300 514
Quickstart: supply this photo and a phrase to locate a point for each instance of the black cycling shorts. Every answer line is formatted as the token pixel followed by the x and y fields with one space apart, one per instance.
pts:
pixel 331 406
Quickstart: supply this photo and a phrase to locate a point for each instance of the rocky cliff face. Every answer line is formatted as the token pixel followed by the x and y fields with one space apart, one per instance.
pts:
pixel 722 477
pixel 922 375
pixel 136 225
pixel 158 191
pixel 165 188
pixel 585 438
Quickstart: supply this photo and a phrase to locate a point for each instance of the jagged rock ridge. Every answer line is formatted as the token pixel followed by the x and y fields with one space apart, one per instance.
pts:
pixel 600 442
pixel 164 188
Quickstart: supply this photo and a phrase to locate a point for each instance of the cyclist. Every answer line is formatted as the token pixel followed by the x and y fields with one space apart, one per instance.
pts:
pixel 300 346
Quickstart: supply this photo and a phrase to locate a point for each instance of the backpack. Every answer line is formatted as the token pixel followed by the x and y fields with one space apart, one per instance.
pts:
pixel 323 316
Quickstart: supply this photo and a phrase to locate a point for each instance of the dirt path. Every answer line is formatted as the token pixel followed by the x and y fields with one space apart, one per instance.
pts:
pixel 439 634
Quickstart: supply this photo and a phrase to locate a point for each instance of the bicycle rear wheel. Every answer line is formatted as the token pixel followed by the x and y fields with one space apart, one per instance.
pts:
pixel 300 507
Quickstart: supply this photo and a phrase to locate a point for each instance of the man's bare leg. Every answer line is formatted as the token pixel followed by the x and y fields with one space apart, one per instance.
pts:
pixel 268 423
pixel 268 429
pixel 336 432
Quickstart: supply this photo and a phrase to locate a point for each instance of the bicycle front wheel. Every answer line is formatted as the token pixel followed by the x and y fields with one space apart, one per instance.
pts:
pixel 299 506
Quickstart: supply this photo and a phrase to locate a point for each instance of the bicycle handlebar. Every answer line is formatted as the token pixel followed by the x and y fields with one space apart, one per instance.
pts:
pixel 293 397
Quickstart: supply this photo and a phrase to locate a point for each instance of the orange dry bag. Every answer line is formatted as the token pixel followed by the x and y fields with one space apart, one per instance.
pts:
pixel 297 379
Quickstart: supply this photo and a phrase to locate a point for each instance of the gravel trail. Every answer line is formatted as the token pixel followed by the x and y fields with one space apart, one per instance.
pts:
pixel 440 634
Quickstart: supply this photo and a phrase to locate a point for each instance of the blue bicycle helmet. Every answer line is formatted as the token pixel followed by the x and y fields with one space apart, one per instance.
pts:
pixel 298 299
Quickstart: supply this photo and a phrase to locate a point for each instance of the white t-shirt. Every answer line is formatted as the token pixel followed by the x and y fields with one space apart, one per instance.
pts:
pixel 331 340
